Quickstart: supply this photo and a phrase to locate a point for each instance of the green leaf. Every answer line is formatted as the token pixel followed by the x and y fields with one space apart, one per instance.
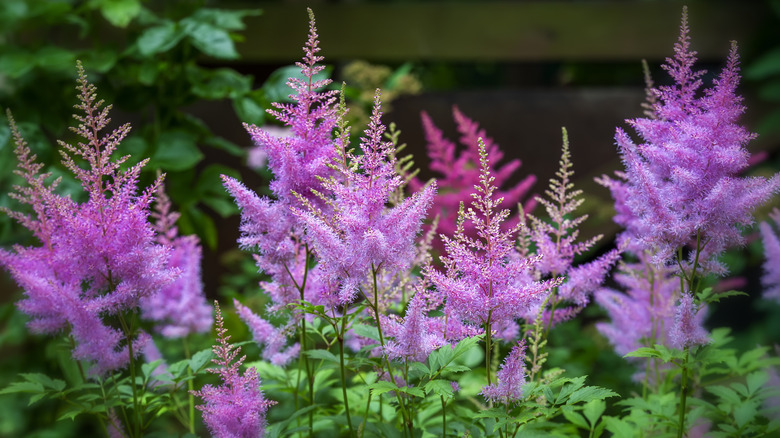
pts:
pixel 322 354
pixel 16 64
pixel 46 381
pixel 419 368
pixel 200 359
pixel 366 331
pixel 159 39
pixel 209 39
pixel 120 12
pixel 619 427
pixel 176 150
pixel 726 394
pixel 745 412
pixel 55 59
pixel 249 110
pixel 225 19
pixel 644 352
pixel 221 83
pixel 756 381
pixel 412 390
pixel 575 418
pixel 382 387
pixel 439 387
pixel 14 387
pixel 593 410
pixel 590 393
pixel 765 66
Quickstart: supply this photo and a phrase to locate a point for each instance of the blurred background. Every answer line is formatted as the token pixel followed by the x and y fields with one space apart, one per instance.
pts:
pixel 187 73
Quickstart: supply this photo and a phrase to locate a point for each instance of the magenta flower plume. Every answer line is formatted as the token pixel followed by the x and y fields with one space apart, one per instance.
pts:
pixel 486 281
pixel 236 408
pixel 682 180
pixel 362 235
pixel 98 258
pixel 179 308
pixel 264 333
pixel 458 174
pixel 511 378
pixel 687 330
pixel 298 158
pixel 416 336
pixel 771 278
pixel 644 314
pixel 557 242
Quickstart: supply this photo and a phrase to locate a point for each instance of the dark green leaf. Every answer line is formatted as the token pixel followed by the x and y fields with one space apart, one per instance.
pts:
pixel 223 18
pixel 439 387
pixel 158 39
pixel 120 12
pixel 15 387
pixel 46 381
pixel 176 150
pixel 249 111
pixel 200 359
pixel 322 354
pixel 575 418
pixel 366 331
pixel 209 39
pixel 765 66
pixel 221 83
pixel 590 393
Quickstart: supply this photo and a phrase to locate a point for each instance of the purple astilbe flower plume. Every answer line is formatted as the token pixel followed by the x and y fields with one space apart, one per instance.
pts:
pixel 179 308
pixel 511 378
pixel 98 258
pixel 459 174
pixel 298 159
pixel 486 282
pixel 415 337
pixel 682 181
pixel 360 234
pixel 557 243
pixel 273 338
pixel 687 330
pixel 236 408
pixel 644 314
pixel 771 278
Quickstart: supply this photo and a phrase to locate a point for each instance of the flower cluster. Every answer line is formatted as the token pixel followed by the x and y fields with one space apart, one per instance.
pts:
pixel 179 308
pixel 458 172
pixel 511 378
pixel 682 181
pixel 771 278
pixel 98 258
pixel 237 407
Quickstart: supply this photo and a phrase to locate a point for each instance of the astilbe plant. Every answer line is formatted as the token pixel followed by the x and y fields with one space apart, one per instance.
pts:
pixel 236 408
pixel 771 278
pixel 458 171
pixel 97 258
pixel 179 308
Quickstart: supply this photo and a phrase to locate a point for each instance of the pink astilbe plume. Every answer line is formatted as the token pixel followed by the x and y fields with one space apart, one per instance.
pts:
pixel 274 339
pixel 557 243
pixel 687 330
pixel 298 158
pixel 511 378
pixel 98 258
pixel 458 172
pixel 682 180
pixel 236 408
pixel 179 308
pixel 416 336
pixel 486 281
pixel 771 278
pixel 359 234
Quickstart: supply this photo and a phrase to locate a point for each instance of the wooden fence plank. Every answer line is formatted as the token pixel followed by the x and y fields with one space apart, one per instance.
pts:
pixel 498 31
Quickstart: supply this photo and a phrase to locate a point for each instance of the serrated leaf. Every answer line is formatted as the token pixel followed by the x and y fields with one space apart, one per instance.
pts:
pixel 322 354
pixel 200 359
pixel 366 331
pixel 455 369
pixel 590 393
pixel 120 12
pixel 46 381
pixel 15 387
pixel 575 418
pixel 756 381
pixel 412 390
pixel 439 387
pixel 382 387
pixel 644 352
pixel 726 394
pixel 209 39
pixel 745 412
pixel 593 410
pixel 419 368
pixel 159 39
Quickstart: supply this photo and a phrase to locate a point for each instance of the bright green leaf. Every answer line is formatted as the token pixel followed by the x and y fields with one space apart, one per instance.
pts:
pixel 439 387
pixel 200 359
pixel 590 393
pixel 158 39
pixel 593 410
pixel 382 387
pixel 322 354
pixel 366 331
pixel 120 12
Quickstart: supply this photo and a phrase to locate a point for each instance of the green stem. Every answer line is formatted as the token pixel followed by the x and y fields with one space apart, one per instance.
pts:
pixel 190 388
pixel 683 395
pixel 362 427
pixel 138 416
pixel 343 373
pixel 443 416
